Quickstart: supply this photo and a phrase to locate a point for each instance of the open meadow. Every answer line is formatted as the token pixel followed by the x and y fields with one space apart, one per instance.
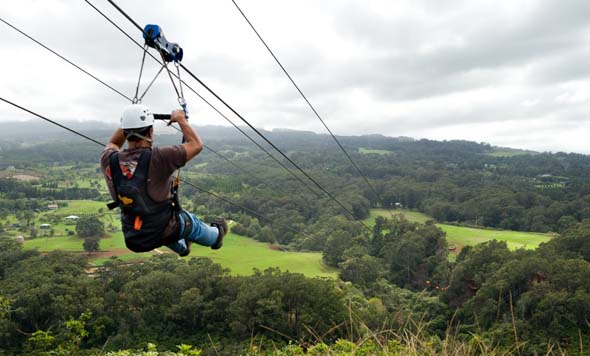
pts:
pixel 240 254
pixel 460 236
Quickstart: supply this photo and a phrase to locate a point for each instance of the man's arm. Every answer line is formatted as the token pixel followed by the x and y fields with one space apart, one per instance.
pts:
pixel 193 145
pixel 117 140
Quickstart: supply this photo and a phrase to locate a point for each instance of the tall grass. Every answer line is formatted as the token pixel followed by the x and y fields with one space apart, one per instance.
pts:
pixel 410 338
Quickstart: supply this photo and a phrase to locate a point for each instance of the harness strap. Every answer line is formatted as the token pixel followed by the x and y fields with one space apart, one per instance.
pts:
pixel 174 190
pixel 116 178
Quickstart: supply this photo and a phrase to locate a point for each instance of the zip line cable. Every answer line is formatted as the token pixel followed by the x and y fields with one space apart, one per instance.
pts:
pixel 206 101
pixel 51 121
pixel 221 156
pixel 306 100
pixel 65 59
pixel 110 87
pixel 123 95
pixel 250 125
pixel 184 181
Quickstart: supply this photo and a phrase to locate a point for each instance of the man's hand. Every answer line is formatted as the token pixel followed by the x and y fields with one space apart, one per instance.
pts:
pixel 177 116
pixel 117 140
pixel 193 145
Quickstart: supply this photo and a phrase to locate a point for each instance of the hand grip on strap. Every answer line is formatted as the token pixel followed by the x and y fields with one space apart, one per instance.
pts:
pixel 165 117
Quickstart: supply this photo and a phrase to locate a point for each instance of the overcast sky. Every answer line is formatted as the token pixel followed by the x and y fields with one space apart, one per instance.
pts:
pixel 511 73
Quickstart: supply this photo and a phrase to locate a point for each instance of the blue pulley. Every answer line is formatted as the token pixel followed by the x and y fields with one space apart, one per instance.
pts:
pixel 154 38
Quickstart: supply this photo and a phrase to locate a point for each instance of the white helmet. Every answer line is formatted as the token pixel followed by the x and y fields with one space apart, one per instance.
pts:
pixel 136 116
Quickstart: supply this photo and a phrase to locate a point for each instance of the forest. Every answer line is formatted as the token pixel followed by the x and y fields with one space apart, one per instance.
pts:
pixel 396 291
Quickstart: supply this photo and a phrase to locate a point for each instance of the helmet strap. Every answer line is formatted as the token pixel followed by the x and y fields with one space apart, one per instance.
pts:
pixel 140 136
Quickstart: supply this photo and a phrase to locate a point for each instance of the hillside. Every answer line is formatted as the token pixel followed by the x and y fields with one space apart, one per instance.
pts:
pixel 506 250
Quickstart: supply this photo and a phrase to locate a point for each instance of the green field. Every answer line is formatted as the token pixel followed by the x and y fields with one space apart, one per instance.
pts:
pixel 410 215
pixel 56 218
pixel 73 243
pixel 377 152
pixel 466 236
pixel 78 207
pixel 239 254
pixel 509 152
pixel 460 236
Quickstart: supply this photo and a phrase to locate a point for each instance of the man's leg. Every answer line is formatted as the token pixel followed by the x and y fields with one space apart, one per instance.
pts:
pixel 179 247
pixel 199 232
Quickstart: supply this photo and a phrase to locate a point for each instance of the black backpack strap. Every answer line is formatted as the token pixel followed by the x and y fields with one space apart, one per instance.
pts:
pixel 116 176
pixel 142 170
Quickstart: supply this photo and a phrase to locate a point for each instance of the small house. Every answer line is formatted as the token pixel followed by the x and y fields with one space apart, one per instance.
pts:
pixel 45 226
pixel 52 206
pixel 71 219
pixel 20 239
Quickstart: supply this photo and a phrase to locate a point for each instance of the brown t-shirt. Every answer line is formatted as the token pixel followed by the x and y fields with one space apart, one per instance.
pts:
pixel 163 163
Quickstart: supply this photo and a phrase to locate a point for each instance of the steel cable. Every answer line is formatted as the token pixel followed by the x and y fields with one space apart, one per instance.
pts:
pixel 319 186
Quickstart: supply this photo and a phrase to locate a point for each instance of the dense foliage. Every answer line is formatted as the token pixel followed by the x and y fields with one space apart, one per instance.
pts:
pixel 522 299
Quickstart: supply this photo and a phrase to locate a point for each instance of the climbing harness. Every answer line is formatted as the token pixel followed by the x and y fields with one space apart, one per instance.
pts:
pixel 143 219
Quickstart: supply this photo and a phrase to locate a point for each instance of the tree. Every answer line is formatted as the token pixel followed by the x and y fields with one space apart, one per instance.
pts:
pixel 565 222
pixel 335 246
pixel 266 235
pixel 89 226
pixel 360 208
pixel 474 266
pixel 91 244
pixel 362 270
pixel 28 216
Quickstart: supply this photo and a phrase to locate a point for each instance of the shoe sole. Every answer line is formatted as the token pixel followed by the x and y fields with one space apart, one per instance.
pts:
pixel 222 228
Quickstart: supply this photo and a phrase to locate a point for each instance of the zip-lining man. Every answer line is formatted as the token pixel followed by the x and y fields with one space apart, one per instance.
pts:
pixel 139 180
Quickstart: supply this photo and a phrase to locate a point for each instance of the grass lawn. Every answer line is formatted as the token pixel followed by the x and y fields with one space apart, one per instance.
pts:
pixel 73 243
pixel 377 152
pixel 414 216
pixel 507 152
pixel 239 254
pixel 242 254
pixel 128 257
pixel 77 207
pixel 463 236
pixel 466 236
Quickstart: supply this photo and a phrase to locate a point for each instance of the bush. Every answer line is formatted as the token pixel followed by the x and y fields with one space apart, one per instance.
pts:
pixel 89 226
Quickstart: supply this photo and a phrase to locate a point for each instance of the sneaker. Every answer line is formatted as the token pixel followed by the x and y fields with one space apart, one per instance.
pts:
pixel 221 225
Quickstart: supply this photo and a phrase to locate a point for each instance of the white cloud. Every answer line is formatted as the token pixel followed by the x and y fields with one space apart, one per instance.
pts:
pixel 508 73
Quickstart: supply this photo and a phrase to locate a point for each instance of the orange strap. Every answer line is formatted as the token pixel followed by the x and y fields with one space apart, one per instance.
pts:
pixel 138 223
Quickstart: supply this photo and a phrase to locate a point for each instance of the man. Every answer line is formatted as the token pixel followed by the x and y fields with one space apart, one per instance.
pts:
pixel 139 180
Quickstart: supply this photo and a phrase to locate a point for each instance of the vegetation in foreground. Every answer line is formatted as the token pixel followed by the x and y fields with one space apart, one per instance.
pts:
pixel 493 301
